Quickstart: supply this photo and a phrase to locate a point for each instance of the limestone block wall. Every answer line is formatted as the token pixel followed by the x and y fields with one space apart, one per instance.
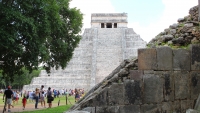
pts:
pixel 113 46
pixel 132 42
pixel 161 80
pixel 108 51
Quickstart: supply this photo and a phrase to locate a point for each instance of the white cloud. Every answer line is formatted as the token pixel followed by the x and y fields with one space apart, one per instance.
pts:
pixel 92 6
pixel 174 9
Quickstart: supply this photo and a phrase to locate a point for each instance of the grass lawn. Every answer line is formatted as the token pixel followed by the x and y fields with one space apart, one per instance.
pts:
pixel 60 109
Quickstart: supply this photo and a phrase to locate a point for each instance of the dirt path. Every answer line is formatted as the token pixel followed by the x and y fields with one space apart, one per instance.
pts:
pixel 29 107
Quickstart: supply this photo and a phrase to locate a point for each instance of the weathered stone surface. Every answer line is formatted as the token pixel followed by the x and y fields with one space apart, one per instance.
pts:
pixel 147 59
pixel 164 58
pixel 166 38
pixel 101 110
pixel 192 111
pixel 132 94
pixel 173 26
pixel 177 106
pixel 114 97
pixel 152 89
pixel 190 103
pixel 136 74
pixel 197 105
pixel 180 20
pixel 148 71
pixel 123 72
pixel 150 108
pixel 168 86
pixel 113 109
pixel 101 98
pixel 129 109
pixel 195 84
pixel 195 57
pixel 181 59
pixel 182 84
pixel 186 104
pixel 167 107
pixel 89 110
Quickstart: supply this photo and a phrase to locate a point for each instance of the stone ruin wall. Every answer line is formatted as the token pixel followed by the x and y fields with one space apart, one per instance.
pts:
pixel 99 52
pixel 161 80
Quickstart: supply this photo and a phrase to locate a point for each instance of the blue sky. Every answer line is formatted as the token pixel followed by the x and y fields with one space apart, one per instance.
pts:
pixel 147 17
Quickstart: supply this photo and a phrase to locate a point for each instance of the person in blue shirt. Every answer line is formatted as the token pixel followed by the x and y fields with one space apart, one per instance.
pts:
pixel 55 93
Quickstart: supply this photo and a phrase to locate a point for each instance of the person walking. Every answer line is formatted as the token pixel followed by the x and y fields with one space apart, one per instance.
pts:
pixel 17 96
pixel 8 94
pixel 30 96
pixel 24 100
pixel 42 96
pixel 36 97
pixel 77 95
pixel 49 97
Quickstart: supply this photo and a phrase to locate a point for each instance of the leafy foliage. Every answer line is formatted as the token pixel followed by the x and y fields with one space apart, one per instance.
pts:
pixel 19 80
pixel 37 31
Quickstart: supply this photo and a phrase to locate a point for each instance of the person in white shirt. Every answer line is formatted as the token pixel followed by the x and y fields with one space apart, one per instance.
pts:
pixel 30 96
pixel 42 96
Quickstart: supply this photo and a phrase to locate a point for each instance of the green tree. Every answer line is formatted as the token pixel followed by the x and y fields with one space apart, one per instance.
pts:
pixel 37 31
pixel 24 78
pixel 2 81
pixel 19 80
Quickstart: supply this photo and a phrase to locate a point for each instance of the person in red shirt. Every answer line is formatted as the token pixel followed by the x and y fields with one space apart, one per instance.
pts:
pixel 24 100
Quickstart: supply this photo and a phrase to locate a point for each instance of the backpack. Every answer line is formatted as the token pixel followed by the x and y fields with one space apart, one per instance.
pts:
pixel 34 95
pixel 49 93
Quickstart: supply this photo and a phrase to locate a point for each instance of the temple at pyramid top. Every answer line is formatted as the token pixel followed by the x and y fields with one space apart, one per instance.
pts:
pixel 109 20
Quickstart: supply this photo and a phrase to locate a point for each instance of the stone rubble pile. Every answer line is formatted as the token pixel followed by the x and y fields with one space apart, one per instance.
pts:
pixel 183 33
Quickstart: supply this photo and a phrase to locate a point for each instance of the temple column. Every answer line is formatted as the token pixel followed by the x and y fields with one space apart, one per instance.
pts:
pixel 105 25
pixel 112 25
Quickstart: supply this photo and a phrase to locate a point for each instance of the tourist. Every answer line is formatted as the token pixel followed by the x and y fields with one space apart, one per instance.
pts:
pixel 17 97
pixel 77 95
pixel 42 96
pixel 36 97
pixel 63 92
pixel 55 93
pixel 66 92
pixel 21 93
pixel 70 92
pixel 58 94
pixel 49 97
pixel 8 94
pixel 30 96
pixel 14 97
pixel 83 93
pixel 24 100
pixel 27 95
